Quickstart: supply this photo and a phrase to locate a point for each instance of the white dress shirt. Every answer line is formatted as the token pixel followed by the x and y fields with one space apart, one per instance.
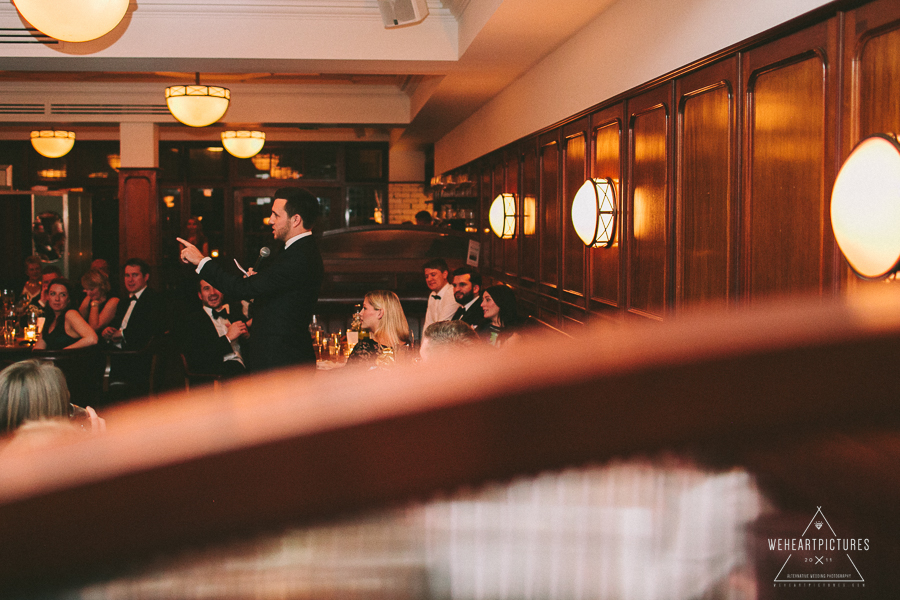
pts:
pixel 222 326
pixel 441 306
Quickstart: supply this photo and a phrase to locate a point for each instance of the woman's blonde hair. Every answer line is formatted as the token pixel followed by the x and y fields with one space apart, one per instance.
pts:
pixel 31 390
pixel 393 330
pixel 95 279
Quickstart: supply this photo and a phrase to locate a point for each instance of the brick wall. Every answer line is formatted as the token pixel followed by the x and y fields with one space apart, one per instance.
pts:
pixel 405 200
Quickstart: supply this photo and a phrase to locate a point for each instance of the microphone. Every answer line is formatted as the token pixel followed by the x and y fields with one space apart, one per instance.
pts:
pixel 263 253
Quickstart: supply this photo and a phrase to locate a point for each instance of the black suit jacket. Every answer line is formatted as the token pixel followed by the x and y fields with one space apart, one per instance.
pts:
pixel 201 344
pixel 284 294
pixel 147 319
pixel 474 317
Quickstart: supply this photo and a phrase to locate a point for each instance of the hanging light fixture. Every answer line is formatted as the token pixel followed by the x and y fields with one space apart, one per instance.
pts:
pixel 502 216
pixel 243 144
pixel 52 144
pixel 73 20
pixel 197 105
pixel 865 207
pixel 594 213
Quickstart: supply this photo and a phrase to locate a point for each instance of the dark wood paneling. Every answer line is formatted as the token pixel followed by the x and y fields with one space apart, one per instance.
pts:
pixel 647 202
pixel 511 246
pixel 787 239
pixel 486 234
pixel 139 216
pixel 573 248
pixel 549 208
pixel 529 238
pixel 705 174
pixel 15 239
pixel 604 262
pixel 872 80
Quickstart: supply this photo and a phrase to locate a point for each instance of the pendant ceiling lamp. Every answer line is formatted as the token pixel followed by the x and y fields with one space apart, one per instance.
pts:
pixel 865 207
pixel 73 20
pixel 502 216
pixel 594 213
pixel 197 105
pixel 52 144
pixel 243 144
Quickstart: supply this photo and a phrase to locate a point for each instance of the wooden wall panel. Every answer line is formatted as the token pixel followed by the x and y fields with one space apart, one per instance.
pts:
pixel 486 235
pixel 604 262
pixel 139 217
pixel 573 248
pixel 549 209
pixel 705 175
pixel 648 203
pixel 878 81
pixel 788 246
pixel 511 246
pixel 529 238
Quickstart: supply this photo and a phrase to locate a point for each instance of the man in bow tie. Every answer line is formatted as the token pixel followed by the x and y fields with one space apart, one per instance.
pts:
pixel 467 291
pixel 211 338
pixel 441 303
pixel 140 315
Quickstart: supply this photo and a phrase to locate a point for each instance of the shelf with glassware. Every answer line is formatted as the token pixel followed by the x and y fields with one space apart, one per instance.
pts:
pixel 455 203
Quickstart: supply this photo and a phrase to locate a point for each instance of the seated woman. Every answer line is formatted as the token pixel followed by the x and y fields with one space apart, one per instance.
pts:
pixel 499 305
pixel 383 316
pixel 34 397
pixel 67 329
pixel 97 308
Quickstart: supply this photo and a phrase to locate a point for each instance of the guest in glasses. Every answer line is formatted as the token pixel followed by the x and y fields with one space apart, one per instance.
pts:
pixel 212 338
pixel 383 316
pixel 67 329
pixel 98 308
pixel 499 305
pixel 441 302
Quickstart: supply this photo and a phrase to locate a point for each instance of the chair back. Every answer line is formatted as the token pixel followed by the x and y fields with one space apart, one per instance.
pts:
pixel 84 370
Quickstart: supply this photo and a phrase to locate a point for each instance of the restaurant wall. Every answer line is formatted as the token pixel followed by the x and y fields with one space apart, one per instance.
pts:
pixel 628 44
pixel 723 173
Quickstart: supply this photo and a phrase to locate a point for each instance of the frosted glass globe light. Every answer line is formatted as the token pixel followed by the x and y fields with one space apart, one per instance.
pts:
pixel 73 20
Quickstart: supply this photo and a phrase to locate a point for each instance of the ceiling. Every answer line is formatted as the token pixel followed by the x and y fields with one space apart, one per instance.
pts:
pixel 292 65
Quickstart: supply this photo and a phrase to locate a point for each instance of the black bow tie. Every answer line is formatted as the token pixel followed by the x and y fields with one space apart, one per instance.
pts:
pixel 435 296
pixel 220 314
pixel 132 298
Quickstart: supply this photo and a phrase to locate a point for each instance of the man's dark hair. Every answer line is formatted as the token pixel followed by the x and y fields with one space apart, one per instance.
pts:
pixel 138 262
pixel 436 263
pixel 299 201
pixel 52 269
pixel 423 217
pixel 474 275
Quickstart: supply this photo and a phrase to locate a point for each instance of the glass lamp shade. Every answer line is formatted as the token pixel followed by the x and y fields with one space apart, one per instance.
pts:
pixel 243 144
pixel 594 212
pixel 865 207
pixel 73 20
pixel 52 144
pixel 502 216
pixel 197 105
pixel 530 216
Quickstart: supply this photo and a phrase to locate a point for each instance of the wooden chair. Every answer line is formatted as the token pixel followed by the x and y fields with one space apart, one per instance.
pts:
pixel 195 378
pixel 136 373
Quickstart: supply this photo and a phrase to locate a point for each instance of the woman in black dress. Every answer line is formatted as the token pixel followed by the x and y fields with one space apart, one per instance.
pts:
pixel 67 329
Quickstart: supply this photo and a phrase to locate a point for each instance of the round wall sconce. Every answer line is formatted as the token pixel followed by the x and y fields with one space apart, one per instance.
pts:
pixel 865 207
pixel 594 213
pixel 52 144
pixel 243 144
pixel 502 216
pixel 197 105
pixel 73 20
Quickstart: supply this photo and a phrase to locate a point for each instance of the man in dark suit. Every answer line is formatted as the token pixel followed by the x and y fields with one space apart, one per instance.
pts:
pixel 211 338
pixel 285 292
pixel 467 291
pixel 140 317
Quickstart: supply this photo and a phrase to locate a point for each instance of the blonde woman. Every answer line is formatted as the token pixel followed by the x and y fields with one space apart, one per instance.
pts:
pixel 383 316
pixel 97 308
